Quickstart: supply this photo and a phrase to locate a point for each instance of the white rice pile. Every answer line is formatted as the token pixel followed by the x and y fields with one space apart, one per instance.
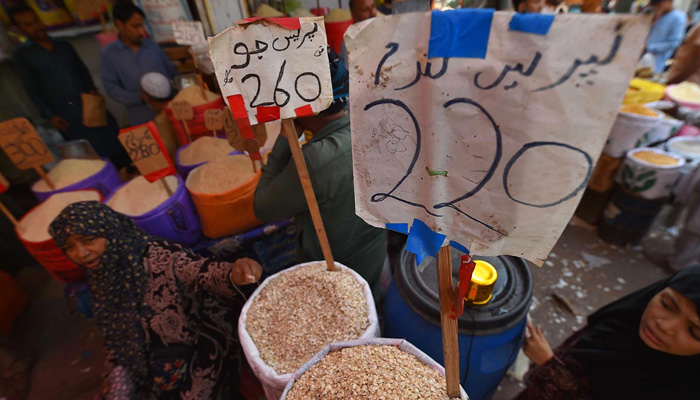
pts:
pixel 68 172
pixel 204 149
pixel 34 227
pixel 140 196
pixel 193 95
pixel 221 175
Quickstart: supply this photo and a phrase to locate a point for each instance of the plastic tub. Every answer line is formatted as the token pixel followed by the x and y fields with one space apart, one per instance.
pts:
pixel 183 169
pixel 52 258
pixel 649 180
pixel 489 341
pixel 675 145
pixel 104 181
pixel 668 96
pixel 629 131
pixel 175 219
pixel 628 217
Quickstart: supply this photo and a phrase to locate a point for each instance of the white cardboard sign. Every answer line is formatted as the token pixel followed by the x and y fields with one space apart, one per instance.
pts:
pixel 494 153
pixel 189 33
pixel 284 71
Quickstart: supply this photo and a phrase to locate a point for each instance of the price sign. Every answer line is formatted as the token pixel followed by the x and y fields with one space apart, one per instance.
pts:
pixel 23 145
pixel 147 151
pixel 182 110
pixel 273 70
pixel 4 184
pixel 189 33
pixel 214 120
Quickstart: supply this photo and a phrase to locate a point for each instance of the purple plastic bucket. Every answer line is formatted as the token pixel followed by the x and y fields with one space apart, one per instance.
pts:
pixel 175 219
pixel 104 181
pixel 184 170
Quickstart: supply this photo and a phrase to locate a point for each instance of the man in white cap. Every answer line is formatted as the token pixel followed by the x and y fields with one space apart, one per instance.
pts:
pixel 157 92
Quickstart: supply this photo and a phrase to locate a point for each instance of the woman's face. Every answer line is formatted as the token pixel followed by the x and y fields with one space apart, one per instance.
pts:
pixel 85 250
pixel 671 324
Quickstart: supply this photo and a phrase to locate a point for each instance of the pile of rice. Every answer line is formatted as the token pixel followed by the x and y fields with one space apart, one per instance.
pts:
pixel 193 95
pixel 140 196
pixel 68 172
pixel 34 226
pixel 204 149
pixel 221 175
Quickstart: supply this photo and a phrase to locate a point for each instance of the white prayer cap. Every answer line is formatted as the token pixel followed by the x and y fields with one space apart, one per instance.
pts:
pixel 156 85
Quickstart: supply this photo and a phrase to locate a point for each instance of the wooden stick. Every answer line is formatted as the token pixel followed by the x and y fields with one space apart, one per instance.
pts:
pixel 103 23
pixel 450 346
pixel 255 166
pixel 187 130
pixel 45 177
pixel 8 214
pixel 291 133
pixel 167 188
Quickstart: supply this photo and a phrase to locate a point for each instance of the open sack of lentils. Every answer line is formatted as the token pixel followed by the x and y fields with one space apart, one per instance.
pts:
pixel 296 313
pixel 380 369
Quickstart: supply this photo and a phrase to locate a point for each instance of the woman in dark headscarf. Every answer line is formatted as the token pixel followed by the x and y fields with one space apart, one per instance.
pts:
pixel 168 315
pixel 643 346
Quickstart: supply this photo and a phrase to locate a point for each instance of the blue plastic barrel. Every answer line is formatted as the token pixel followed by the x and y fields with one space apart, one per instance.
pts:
pixel 104 181
pixel 489 335
pixel 175 219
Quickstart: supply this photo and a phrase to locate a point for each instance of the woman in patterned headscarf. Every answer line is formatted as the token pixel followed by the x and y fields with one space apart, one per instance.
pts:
pixel 168 315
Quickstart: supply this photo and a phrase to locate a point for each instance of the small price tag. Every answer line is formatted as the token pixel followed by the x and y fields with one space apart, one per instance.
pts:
pixel 147 151
pixel 23 145
pixel 182 110
pixel 4 184
pixel 236 139
pixel 189 33
pixel 214 120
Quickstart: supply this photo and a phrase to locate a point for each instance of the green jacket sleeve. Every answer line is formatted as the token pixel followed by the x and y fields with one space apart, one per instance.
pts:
pixel 279 194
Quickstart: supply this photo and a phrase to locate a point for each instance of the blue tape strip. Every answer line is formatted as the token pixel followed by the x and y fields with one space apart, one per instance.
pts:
pixel 400 228
pixel 460 33
pixel 538 24
pixel 423 241
pixel 459 247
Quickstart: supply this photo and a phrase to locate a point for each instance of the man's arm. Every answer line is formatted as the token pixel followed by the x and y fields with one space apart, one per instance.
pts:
pixel 689 63
pixel 31 84
pixel 113 86
pixel 279 194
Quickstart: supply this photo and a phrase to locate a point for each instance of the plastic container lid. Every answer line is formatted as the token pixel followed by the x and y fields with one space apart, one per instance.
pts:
pixel 511 293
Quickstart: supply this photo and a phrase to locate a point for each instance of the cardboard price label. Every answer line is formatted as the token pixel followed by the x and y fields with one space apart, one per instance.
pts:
pixel 23 145
pixel 94 110
pixel 214 120
pixel 236 139
pixel 182 110
pixel 189 33
pixel 147 151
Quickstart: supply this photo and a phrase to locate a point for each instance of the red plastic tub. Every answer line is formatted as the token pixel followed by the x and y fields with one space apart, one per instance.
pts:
pixel 196 124
pixel 52 258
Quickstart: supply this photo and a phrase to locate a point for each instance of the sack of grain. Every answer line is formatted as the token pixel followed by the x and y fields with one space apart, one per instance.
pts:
pixel 633 123
pixel 33 232
pixel 169 217
pixel 370 369
pixel 193 95
pixel 266 11
pixel 223 191
pixel 202 150
pixel 75 174
pixel 296 313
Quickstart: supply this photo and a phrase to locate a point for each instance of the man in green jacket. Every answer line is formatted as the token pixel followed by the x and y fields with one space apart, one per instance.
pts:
pixel 328 156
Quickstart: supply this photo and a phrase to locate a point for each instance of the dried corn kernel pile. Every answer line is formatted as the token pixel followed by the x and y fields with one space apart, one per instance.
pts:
pixel 369 372
pixel 302 311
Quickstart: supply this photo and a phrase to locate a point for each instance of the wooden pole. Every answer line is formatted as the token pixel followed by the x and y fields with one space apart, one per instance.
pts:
pixel 291 133
pixel 8 214
pixel 450 347
pixel 45 177
pixel 167 188
pixel 187 130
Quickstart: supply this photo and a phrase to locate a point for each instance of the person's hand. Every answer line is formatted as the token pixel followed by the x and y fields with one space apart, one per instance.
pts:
pixel 535 346
pixel 245 271
pixel 60 123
